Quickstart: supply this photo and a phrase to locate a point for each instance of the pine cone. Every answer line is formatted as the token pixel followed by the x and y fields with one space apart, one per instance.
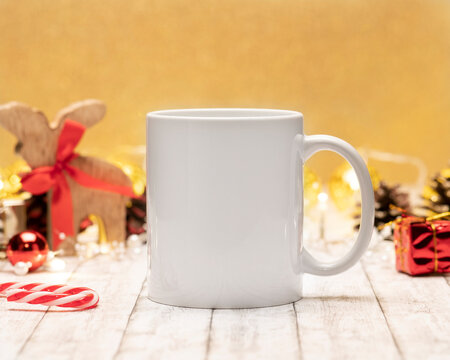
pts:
pixel 437 194
pixel 37 213
pixel 389 203
pixel 136 215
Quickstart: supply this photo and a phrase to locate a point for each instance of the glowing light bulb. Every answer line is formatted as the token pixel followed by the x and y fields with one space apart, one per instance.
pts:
pixel 323 197
pixel 55 265
pixel 351 179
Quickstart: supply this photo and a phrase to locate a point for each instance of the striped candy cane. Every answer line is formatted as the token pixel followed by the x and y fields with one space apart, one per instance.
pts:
pixel 50 295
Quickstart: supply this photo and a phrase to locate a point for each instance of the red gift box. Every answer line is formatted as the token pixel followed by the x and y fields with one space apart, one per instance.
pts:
pixel 422 245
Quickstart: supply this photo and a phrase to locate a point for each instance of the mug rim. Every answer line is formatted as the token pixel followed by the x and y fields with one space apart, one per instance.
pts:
pixel 225 114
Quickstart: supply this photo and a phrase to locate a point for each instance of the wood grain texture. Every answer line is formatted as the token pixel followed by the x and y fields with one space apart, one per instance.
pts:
pixel 94 333
pixel 264 333
pixel 159 332
pixel 417 310
pixel 339 318
pixel 18 322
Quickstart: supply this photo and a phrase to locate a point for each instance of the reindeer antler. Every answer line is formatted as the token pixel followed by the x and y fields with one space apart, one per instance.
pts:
pixel 87 112
pixel 17 117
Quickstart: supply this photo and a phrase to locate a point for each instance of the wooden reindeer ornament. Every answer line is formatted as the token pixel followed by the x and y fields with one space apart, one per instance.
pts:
pixel 78 186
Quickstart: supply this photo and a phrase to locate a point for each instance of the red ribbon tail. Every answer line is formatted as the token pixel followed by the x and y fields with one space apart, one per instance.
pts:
pixel 38 181
pixel 89 181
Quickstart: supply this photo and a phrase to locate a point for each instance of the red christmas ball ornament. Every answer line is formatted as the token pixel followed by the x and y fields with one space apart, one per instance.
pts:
pixel 29 247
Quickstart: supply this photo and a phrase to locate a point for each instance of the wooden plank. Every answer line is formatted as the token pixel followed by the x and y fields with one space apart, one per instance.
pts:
pixel 417 309
pixel 339 318
pixel 265 333
pixel 94 333
pixel 18 321
pixel 162 332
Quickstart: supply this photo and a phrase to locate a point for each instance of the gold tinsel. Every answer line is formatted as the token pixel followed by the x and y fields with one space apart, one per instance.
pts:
pixel 429 193
pixel 312 188
pixel 10 185
pixel 437 193
pixel 134 172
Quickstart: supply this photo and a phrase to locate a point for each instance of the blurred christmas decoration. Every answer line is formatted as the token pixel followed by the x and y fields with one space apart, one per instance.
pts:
pixel 134 243
pixel 136 215
pixel 21 268
pixel 111 179
pixel 344 187
pixel 28 247
pixel 390 203
pixel 10 185
pixel 323 208
pixel 54 264
pixel 118 250
pixel 127 160
pixel 95 186
pixel 422 245
pixel 20 210
pixel 136 219
pixel 91 239
pixel 12 220
pixel 36 210
pixel 12 203
pixel 312 188
pixel 437 193
pixel 135 172
pixel 404 162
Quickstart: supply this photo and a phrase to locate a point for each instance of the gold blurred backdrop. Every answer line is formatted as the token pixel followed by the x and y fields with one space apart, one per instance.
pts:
pixel 375 73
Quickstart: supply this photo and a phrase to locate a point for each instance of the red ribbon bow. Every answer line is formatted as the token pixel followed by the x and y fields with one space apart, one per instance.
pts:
pixel 44 178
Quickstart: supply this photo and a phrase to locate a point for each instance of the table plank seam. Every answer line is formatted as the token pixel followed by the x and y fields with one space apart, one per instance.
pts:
pixel 402 356
pixel 128 320
pixel 27 340
pixel 297 330
pixel 31 334
pixel 208 340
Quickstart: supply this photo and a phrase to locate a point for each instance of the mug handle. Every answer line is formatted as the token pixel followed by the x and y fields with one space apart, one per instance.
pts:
pixel 309 145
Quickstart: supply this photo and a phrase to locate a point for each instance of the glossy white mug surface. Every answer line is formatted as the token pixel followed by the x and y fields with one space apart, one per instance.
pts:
pixel 225 207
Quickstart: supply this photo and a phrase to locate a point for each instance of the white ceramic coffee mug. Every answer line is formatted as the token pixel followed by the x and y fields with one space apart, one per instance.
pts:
pixel 225 207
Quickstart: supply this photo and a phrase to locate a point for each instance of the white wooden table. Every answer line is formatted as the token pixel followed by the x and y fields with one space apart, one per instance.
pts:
pixel 369 312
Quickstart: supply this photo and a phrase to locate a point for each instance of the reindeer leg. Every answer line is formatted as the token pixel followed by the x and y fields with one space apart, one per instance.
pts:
pixel 115 223
pixel 67 245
